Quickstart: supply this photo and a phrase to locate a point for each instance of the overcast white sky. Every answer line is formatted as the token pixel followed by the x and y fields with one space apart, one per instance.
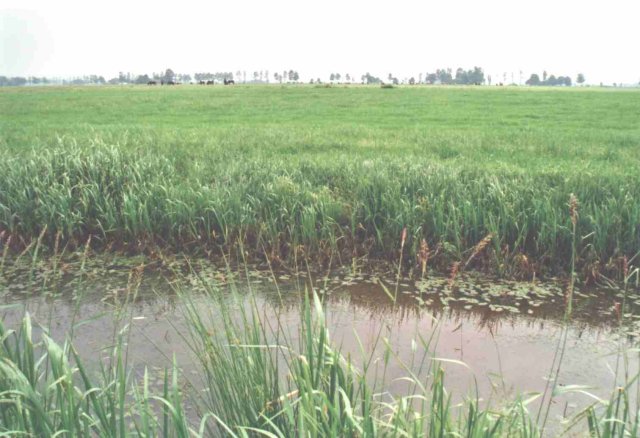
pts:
pixel 405 37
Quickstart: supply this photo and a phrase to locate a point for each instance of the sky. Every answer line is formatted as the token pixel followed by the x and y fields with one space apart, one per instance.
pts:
pixel 68 38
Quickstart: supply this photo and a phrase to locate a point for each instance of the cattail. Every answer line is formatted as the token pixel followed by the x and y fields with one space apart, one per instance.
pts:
pixel 423 256
pixel 625 267
pixel 404 237
pixel 479 247
pixel 454 273
pixel 573 209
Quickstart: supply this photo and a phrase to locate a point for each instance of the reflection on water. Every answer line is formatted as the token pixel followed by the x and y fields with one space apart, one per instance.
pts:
pixel 506 352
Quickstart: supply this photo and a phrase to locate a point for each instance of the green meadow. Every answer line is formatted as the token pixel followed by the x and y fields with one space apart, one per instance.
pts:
pixel 331 173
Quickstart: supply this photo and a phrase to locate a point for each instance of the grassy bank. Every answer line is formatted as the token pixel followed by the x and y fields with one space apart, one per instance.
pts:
pixel 329 173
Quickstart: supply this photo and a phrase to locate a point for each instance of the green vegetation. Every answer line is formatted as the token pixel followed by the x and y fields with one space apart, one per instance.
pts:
pixel 334 174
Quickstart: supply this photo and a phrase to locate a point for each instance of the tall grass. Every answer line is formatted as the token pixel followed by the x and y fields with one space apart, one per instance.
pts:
pixel 334 210
pixel 262 378
pixel 338 172
pixel 46 391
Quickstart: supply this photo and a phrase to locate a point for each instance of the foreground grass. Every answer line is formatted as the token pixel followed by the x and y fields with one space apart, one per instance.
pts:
pixel 329 173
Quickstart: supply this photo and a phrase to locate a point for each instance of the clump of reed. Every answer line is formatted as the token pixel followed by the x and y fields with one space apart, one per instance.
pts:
pixel 136 199
pixel 46 391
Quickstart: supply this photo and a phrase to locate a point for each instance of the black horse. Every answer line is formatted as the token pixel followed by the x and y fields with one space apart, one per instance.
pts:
pixel 229 82
pixel 201 83
pixel 210 82
pixel 152 83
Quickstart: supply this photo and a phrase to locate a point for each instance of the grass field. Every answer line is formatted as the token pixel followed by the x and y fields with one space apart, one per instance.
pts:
pixel 334 173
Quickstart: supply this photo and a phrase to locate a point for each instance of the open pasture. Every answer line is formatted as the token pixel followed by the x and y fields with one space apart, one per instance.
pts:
pixel 333 172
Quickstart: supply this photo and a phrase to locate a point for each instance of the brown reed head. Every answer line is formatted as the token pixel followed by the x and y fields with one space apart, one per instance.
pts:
pixel 573 209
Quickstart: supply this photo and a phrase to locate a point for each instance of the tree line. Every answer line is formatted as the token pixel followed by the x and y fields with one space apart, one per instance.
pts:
pixel 445 76
pixel 18 81
pixel 552 80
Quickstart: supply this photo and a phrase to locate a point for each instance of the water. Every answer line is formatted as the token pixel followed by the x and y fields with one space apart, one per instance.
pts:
pixel 506 334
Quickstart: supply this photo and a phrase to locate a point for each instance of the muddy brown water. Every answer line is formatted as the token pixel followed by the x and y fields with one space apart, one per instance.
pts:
pixel 505 333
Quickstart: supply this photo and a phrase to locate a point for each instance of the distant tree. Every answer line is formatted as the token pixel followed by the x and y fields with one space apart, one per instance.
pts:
pixel 444 76
pixel 461 77
pixel 369 79
pixel 296 76
pixel 348 77
pixel 392 79
pixel 256 75
pixel 412 81
pixel 113 81
pixel 142 79
pixel 476 76
pixel 338 76
pixel 551 81
pixel 580 79
pixel 169 75
pixel 332 77
pixel 544 76
pixel 18 81
pixel 533 80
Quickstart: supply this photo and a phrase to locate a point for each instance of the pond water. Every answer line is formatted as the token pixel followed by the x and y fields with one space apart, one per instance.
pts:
pixel 506 333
